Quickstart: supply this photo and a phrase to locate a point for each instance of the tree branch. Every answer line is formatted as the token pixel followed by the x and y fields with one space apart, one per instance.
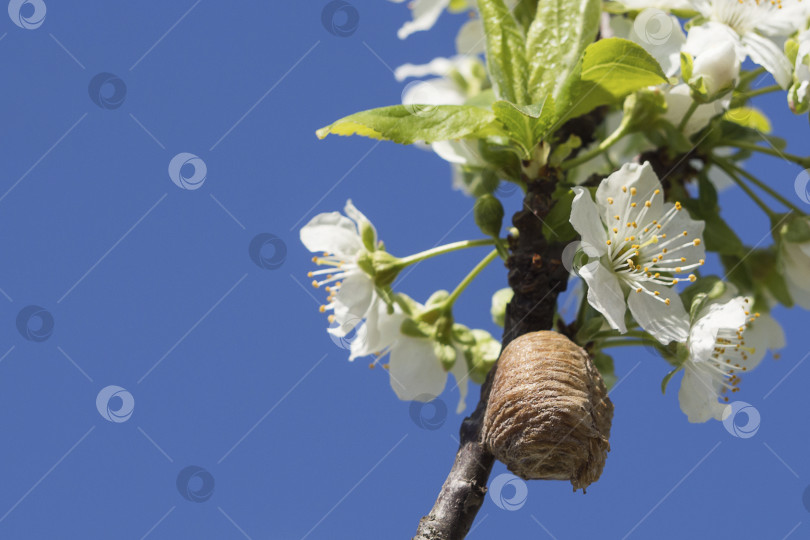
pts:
pixel 537 276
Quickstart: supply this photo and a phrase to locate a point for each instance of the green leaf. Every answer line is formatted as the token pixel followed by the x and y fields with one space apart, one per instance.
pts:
pixel 556 39
pixel 604 364
pixel 764 269
pixel 525 125
pixel 557 225
pixel 578 97
pixel 720 237
pixel 707 196
pixel 749 117
pixel 796 229
pixel 479 181
pixel 402 125
pixel 506 52
pixel 589 329
pixel 737 272
pixel 620 67
pixel 703 290
pixel 525 12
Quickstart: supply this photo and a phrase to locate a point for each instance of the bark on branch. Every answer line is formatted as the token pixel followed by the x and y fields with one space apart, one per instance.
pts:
pixel 537 276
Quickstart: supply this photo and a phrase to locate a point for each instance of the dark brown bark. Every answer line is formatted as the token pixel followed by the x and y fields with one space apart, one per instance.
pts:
pixel 537 276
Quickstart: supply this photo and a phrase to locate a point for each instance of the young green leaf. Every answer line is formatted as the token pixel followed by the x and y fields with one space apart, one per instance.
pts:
pixel 526 125
pixel 402 125
pixel 506 52
pixel 556 39
pixel 620 67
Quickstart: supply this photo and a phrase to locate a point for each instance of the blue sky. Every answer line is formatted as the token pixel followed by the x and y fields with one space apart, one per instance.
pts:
pixel 223 364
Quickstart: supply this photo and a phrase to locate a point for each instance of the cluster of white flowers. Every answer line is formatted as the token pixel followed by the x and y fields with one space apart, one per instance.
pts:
pixel 346 246
pixel 639 249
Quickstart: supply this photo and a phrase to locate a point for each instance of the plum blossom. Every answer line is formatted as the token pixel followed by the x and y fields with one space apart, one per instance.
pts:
pixel 754 28
pixel 343 243
pixel 638 245
pixel 416 372
pixel 725 340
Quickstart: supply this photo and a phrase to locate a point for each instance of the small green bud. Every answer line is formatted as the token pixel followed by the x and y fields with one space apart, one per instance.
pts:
pixel 446 354
pixel 414 329
pixel 489 215
pixel 463 335
pixel 482 355
pixel 499 301
pixel 437 298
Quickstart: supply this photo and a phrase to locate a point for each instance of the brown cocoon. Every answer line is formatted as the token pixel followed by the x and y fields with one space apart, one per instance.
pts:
pixel 548 415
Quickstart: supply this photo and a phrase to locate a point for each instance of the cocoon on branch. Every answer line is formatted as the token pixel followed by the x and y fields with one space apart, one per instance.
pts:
pixel 548 415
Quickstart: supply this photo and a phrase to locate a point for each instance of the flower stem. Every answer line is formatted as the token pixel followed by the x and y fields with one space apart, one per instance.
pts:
pixel 470 277
pixel 766 188
pixel 447 248
pixel 689 112
pixel 743 145
pixel 760 91
pixel 614 334
pixel 612 139
pixel 627 343
pixel 750 75
pixel 737 180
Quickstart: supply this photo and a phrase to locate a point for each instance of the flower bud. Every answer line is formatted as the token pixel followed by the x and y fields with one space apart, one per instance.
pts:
pixel 489 215
pixel 716 70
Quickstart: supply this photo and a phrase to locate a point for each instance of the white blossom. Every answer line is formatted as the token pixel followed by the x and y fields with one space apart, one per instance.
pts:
pixel 425 15
pixel 340 240
pixel 679 99
pixel 639 244
pixel 416 373
pixel 725 340
pixel 755 28
pixel 719 68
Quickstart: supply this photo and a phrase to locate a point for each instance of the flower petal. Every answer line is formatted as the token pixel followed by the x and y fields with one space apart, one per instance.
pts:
pixel 379 332
pixel 415 371
pixel 585 219
pixel 333 233
pixel 605 294
pixel 471 39
pixel 666 323
pixel 698 395
pixel 710 34
pixel 617 188
pixel 358 217
pixel 354 298
pixel 425 15
pixel 765 53
pixel 763 335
